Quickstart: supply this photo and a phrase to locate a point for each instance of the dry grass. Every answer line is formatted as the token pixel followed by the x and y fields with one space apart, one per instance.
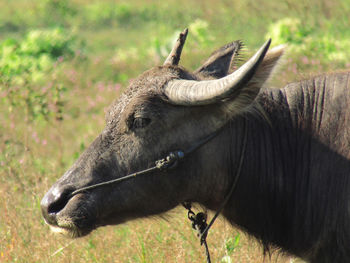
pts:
pixel 139 241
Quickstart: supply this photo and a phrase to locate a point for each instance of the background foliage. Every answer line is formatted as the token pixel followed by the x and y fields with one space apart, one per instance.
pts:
pixel 62 63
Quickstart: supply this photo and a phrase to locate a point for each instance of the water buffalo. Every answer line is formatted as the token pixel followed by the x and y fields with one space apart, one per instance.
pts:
pixel 293 189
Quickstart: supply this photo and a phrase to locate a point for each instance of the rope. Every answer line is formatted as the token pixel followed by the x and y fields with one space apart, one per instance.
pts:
pixel 207 253
pixel 200 225
pixel 168 162
pixel 83 189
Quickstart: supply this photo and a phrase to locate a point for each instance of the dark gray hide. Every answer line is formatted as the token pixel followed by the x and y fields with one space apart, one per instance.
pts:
pixel 293 192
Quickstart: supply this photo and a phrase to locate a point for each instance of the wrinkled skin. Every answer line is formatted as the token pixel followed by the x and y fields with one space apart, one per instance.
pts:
pixel 293 191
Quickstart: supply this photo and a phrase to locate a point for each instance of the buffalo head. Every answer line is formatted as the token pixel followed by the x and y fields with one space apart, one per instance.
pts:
pixel 166 108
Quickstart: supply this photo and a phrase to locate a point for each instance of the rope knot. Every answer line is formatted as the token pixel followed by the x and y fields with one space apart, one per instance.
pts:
pixel 170 161
pixel 199 222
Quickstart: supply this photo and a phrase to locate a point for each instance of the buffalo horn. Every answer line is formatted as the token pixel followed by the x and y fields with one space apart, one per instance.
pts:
pixel 174 56
pixel 193 92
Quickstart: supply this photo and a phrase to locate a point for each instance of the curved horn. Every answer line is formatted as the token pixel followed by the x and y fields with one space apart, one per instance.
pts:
pixel 192 92
pixel 174 56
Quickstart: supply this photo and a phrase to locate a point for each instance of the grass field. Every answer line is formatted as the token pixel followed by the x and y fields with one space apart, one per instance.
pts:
pixel 63 62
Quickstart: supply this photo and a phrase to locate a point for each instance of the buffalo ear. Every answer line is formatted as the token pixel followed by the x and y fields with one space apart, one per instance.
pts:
pixel 267 67
pixel 218 64
pixel 252 88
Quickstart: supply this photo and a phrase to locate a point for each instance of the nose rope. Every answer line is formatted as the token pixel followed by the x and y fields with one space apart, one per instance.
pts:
pixel 170 161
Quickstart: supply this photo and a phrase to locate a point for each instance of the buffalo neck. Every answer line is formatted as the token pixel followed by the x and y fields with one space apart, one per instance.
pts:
pixel 286 195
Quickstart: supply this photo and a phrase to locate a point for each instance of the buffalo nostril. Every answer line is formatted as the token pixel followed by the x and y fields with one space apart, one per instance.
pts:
pixel 58 204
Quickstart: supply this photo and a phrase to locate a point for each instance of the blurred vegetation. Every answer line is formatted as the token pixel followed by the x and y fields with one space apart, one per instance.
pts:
pixel 24 67
pixel 63 62
pixel 305 40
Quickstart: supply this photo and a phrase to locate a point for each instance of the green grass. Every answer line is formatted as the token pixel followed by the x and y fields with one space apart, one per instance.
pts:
pixel 53 117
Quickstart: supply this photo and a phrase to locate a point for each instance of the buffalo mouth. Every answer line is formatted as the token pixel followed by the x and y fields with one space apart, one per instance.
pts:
pixel 69 230
pixel 67 227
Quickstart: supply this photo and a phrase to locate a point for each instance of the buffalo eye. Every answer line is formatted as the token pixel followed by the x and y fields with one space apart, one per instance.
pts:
pixel 139 122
